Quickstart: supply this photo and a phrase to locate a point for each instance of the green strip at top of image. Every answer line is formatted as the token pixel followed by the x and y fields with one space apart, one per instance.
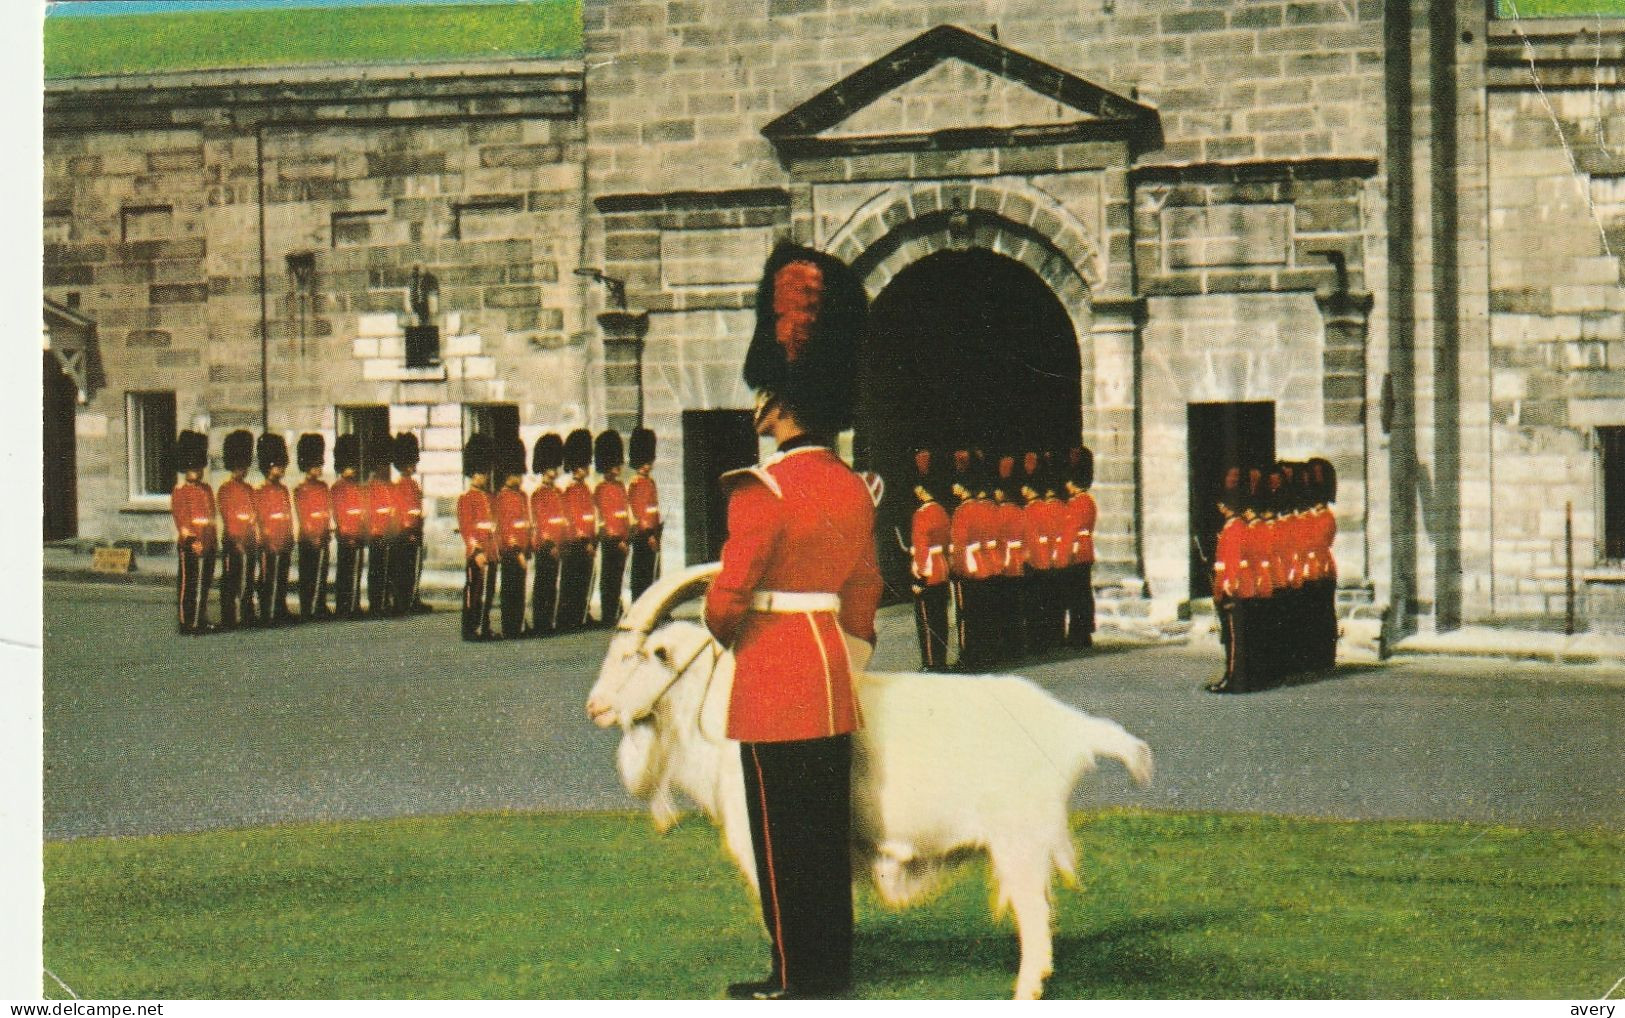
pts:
pixel 1509 9
pixel 204 40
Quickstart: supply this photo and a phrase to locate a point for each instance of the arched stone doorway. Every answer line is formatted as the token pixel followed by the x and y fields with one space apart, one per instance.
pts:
pixel 966 348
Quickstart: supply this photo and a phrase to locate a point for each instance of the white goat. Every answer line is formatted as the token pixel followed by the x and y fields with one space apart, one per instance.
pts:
pixel 943 767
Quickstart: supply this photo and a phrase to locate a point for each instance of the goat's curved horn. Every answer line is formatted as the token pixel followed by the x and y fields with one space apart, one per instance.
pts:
pixel 654 605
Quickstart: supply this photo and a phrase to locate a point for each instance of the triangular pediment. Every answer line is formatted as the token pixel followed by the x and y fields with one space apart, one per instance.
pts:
pixel 950 88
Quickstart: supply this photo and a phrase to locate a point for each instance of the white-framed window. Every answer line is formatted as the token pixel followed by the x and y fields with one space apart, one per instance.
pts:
pixel 149 428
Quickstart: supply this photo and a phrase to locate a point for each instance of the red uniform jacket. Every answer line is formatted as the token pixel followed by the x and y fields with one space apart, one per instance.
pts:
pixel 614 515
pixel 963 553
pixel 802 523
pixel 313 504
pixel 643 501
pixel 408 505
pixel 984 535
pixel 548 527
pixel 579 514
pixel 512 510
pixel 1275 552
pixel 1013 538
pixel 382 522
pixel 1294 546
pixel 929 544
pixel 275 516
pixel 1042 532
pixel 1322 531
pixel 238 516
pixel 1253 567
pixel 350 510
pixel 475 522
pixel 192 506
pixel 1062 534
pixel 1080 515
pixel 1227 559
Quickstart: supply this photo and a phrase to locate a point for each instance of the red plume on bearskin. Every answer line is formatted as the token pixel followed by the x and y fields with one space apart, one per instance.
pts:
pixel 810 312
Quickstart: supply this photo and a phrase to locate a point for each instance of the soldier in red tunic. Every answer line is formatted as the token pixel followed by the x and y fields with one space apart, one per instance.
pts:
pixel 644 503
pixel 1011 581
pixel 274 510
pixel 581 543
pixel 477 524
pixel 383 526
pixel 512 510
pixel 928 561
pixel 963 556
pixel 406 560
pixel 1227 587
pixel 192 506
pixel 313 506
pixel 350 518
pixel 241 526
pixel 799 579
pixel 614 525
pixel 1080 525
pixel 547 534
pixel 1322 534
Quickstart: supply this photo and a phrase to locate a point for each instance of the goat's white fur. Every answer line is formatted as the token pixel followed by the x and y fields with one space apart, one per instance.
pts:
pixel 944 766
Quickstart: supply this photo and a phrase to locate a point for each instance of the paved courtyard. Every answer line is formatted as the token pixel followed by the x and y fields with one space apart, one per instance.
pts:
pixel 148 732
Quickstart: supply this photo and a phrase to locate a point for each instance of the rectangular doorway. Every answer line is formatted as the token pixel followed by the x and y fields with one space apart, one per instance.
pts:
pixel 714 442
pixel 1220 436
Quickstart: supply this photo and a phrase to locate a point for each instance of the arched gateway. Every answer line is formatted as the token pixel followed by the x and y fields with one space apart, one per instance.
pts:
pixel 966 348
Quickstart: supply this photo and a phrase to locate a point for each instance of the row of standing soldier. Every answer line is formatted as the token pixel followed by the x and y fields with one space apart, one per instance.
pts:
pixel 1012 539
pixel 1274 576
pixel 555 535
pixel 255 532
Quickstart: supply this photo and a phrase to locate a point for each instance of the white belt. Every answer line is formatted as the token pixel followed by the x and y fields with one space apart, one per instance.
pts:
pixel 794 601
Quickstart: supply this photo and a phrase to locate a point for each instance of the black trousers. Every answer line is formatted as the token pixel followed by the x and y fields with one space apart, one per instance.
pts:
pixel 575 581
pixel 312 579
pixel 544 593
pixel 479 589
pixel 405 565
pixel 799 798
pixel 348 599
pixel 645 556
pixel 237 587
pixel 1006 624
pixel 1080 603
pixel 193 574
pixel 1044 609
pixel 379 551
pixel 975 650
pixel 931 625
pixel 513 594
pixel 611 577
pixel 1234 632
pixel 273 569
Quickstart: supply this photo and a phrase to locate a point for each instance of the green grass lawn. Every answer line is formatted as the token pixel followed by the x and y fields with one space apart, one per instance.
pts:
pixel 194 40
pixel 596 905
pixel 1560 8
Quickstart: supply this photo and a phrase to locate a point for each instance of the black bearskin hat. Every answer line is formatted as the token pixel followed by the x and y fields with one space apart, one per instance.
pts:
pixel 578 449
pixel 238 451
pixel 510 460
pixel 477 455
pixel 1231 493
pixel 191 451
pixel 548 453
pixel 406 450
pixel 312 451
pixel 346 453
pixel 642 448
pixel 608 451
pixel 271 451
pixel 376 453
pixel 1081 464
pixel 1325 480
pixel 810 310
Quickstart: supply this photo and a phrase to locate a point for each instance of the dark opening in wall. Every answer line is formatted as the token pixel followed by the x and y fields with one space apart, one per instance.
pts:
pixel 1611 485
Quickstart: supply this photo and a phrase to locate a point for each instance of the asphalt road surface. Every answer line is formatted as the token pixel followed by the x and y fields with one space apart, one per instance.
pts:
pixel 150 732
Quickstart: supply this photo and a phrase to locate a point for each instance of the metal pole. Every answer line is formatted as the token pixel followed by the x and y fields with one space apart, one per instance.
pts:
pixel 1568 568
pixel 265 330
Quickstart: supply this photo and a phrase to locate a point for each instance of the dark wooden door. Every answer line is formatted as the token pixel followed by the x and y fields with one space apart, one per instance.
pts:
pixel 714 442
pixel 61 455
